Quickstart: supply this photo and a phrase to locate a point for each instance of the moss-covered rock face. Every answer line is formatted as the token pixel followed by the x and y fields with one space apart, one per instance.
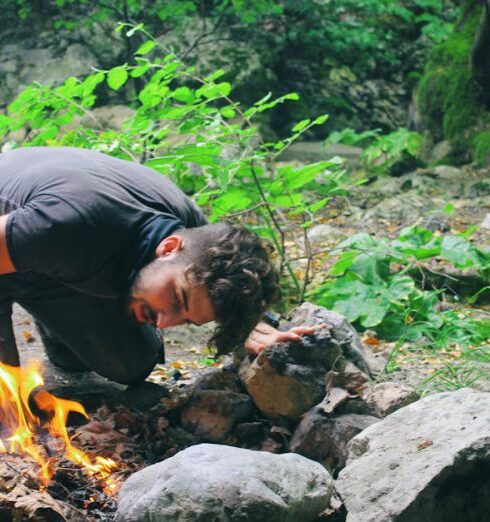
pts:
pixel 448 97
pixel 481 149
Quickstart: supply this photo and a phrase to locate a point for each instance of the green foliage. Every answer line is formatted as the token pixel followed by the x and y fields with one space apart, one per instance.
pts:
pixel 401 147
pixel 383 153
pixel 188 128
pixel 333 43
pixel 352 137
pixel 372 287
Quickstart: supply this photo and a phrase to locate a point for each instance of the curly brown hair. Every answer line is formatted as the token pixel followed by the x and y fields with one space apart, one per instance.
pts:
pixel 233 263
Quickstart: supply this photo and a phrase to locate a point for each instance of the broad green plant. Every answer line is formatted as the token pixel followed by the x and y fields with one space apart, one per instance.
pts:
pixel 372 284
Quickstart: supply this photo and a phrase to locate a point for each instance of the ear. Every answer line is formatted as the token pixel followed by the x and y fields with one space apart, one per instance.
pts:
pixel 169 245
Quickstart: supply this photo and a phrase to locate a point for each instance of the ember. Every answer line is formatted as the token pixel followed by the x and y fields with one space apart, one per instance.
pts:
pixel 33 422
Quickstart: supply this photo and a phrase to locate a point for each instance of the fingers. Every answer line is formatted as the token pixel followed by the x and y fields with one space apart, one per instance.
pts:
pixel 254 347
pixel 308 330
pixel 265 335
pixel 290 335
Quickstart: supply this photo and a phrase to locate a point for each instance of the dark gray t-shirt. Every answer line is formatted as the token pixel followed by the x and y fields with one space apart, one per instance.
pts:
pixel 84 218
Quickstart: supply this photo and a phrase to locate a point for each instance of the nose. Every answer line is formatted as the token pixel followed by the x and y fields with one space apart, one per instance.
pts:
pixel 164 320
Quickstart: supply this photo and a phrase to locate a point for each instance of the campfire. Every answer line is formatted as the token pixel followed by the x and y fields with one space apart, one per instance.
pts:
pixel 35 445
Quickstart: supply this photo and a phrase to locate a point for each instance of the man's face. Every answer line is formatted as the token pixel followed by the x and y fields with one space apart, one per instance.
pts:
pixel 162 296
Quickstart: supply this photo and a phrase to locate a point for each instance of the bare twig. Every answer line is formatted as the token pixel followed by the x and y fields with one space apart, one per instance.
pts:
pixel 204 35
pixel 309 258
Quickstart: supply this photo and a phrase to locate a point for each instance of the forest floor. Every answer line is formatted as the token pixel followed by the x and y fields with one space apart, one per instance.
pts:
pixel 382 208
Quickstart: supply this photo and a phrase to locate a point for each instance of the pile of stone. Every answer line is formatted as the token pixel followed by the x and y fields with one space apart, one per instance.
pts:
pixel 297 434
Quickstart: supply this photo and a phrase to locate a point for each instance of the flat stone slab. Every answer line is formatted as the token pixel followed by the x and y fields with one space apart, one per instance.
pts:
pixel 427 462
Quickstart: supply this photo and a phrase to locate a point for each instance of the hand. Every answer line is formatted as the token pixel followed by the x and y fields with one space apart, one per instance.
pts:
pixel 265 335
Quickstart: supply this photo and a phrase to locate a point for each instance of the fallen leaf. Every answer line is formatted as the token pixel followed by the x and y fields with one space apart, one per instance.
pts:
pixel 28 336
pixel 370 340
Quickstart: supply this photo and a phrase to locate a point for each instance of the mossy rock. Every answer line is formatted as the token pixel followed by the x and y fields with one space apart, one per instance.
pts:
pixel 448 97
pixel 481 149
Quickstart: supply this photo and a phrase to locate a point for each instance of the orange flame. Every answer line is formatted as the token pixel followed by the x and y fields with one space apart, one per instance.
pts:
pixel 21 424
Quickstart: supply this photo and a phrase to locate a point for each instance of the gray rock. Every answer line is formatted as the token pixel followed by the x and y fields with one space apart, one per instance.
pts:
pixel 220 378
pixel 44 66
pixel 212 482
pixel 448 173
pixel 325 233
pixel 386 397
pixel 324 438
pixel 437 222
pixel 311 151
pixel 341 330
pixel 427 462
pixel 440 151
pixel 405 208
pixel 108 117
pixel 479 189
pixel 486 222
pixel 211 414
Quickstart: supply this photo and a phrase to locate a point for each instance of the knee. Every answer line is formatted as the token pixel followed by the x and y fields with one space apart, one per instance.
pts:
pixel 128 375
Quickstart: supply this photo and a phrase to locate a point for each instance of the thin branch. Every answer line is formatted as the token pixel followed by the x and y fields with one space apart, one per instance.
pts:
pixel 204 35
pixel 246 211
pixel 308 264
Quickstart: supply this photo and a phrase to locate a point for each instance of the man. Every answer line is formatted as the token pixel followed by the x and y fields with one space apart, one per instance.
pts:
pixel 103 252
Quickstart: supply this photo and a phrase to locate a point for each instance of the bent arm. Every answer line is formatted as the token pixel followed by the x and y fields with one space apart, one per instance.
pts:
pixel 6 265
pixel 9 354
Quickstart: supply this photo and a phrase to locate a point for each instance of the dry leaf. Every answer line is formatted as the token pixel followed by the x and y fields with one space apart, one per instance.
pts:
pixel 370 340
pixel 28 336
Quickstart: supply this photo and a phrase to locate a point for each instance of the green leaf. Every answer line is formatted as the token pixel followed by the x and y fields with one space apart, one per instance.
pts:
pixel 214 90
pixel 315 207
pixel 183 94
pixel 214 76
pixel 343 263
pixel 145 47
pixel 287 201
pixel 227 112
pixel 301 125
pixel 458 251
pixel 233 200
pixel 133 29
pixel 321 120
pixel 139 71
pixel 448 208
pixel 117 77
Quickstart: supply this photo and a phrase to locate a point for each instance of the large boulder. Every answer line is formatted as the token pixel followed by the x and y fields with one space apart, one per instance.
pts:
pixel 427 462
pixel 214 482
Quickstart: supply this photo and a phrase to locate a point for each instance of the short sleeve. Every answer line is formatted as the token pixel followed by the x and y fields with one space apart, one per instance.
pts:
pixel 49 236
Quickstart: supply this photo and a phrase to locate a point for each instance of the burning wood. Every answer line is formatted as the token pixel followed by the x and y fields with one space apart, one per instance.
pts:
pixel 33 423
